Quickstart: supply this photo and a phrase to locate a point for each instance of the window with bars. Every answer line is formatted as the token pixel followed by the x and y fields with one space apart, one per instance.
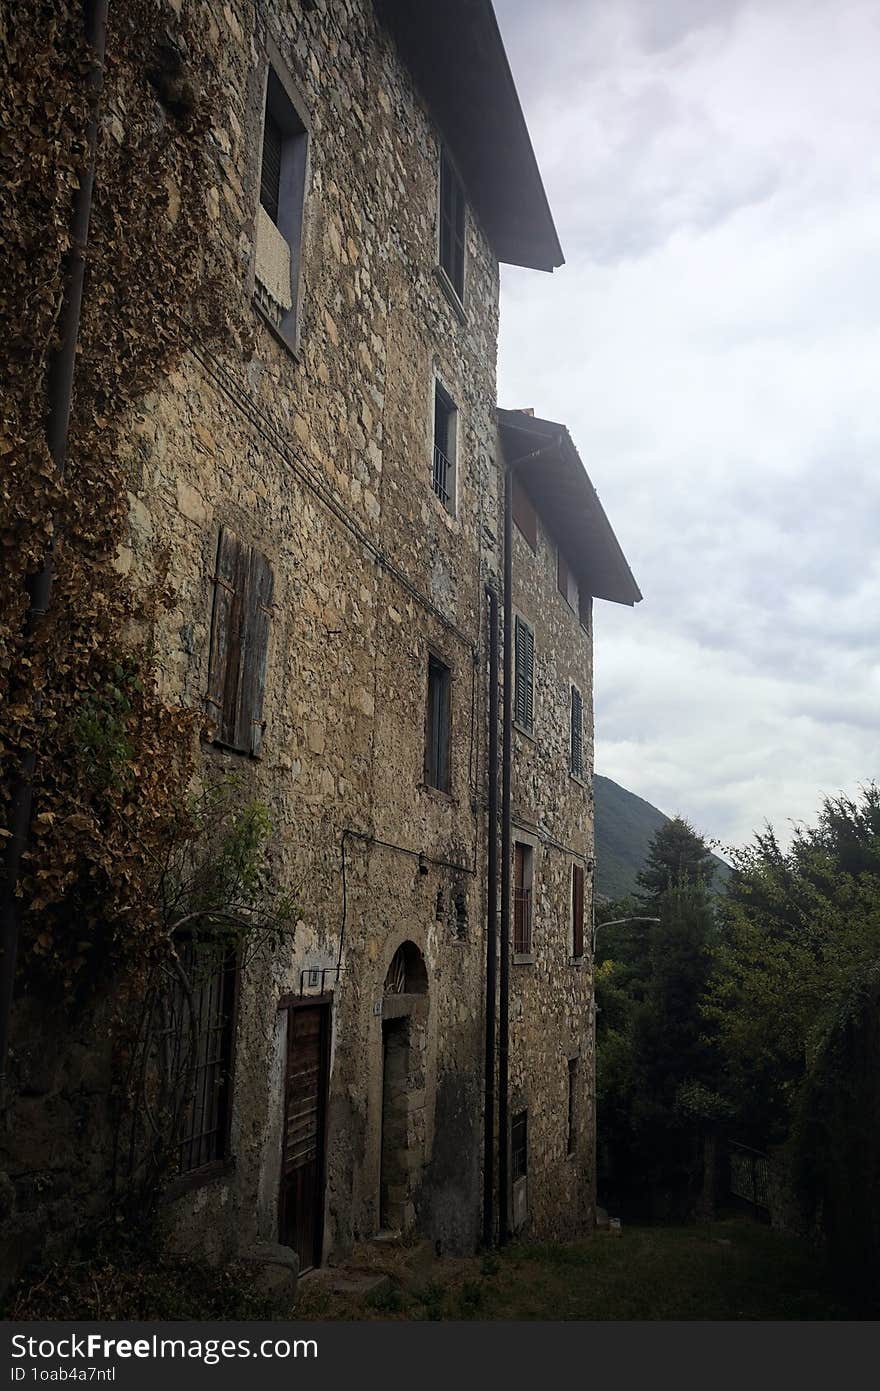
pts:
pixel 572 1104
pixel 519 1146
pixel 577 733
pixel 197 1042
pixel 577 910
pixel 445 447
pixel 452 223
pixel 243 588
pixel 437 724
pixel 523 675
pixel 566 582
pixel 522 898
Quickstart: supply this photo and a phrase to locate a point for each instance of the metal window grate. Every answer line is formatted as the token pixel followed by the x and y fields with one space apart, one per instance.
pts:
pixel 441 476
pixel 270 171
pixel 519 1146
pixel 522 900
pixel 198 1039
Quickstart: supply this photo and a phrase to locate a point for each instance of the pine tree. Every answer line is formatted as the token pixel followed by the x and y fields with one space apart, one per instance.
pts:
pixel 677 855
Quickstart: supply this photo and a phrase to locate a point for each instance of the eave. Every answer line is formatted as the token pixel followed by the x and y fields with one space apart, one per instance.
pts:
pixel 550 469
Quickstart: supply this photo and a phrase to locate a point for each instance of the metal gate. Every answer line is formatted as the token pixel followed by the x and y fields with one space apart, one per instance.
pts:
pixel 301 1204
pixel 749 1175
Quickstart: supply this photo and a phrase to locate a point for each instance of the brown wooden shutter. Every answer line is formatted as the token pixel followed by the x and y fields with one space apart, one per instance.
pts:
pixel 224 672
pixel 577 909
pixel 577 733
pixel 255 647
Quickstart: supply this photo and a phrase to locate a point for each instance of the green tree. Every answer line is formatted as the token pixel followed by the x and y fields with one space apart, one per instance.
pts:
pixel 676 855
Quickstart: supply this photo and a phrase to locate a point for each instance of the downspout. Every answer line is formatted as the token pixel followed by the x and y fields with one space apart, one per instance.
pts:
pixel 60 375
pixel 491 927
pixel 504 972
pixel 506 759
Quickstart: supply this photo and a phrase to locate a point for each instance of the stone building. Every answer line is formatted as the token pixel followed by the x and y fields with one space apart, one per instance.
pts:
pixel 332 516
pixel 564 555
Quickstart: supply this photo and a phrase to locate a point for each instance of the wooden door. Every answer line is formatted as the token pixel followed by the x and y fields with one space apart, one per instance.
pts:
pixel 305 1109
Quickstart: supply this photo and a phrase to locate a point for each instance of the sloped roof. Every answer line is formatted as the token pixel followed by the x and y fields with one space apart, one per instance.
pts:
pixel 454 51
pixel 550 469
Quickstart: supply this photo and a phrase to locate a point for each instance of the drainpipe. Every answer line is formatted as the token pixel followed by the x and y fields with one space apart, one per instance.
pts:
pixel 506 759
pixel 60 394
pixel 491 928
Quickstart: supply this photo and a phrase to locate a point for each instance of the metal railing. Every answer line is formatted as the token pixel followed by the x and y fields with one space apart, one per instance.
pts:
pixel 522 921
pixel 441 478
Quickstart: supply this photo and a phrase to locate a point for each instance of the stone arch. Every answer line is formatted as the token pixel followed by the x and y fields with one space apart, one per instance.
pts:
pixel 407 973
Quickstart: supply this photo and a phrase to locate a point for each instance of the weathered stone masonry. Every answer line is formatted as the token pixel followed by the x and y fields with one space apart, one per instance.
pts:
pixel 317 452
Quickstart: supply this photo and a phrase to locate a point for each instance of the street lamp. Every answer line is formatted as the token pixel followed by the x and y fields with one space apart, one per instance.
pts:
pixel 616 922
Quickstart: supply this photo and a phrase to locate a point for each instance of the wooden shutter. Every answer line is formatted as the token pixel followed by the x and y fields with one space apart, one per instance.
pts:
pixel 562 575
pixel 255 648
pixel 224 672
pixel 577 733
pixel 577 910
pixel 243 587
pixel 524 674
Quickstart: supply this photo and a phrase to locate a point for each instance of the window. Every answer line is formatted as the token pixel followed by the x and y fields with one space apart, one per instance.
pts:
pixel 243 587
pixel 577 910
pixel 566 582
pixel 523 674
pixel 280 213
pixel 197 1044
pixel 522 899
pixel 519 1146
pixel 572 1093
pixel 437 725
pixel 445 447
pixel 585 608
pixel 451 225
pixel 577 734
pixel 524 513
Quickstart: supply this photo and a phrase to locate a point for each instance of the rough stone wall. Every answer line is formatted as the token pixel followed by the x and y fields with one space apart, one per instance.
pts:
pixel 321 460
pixel 551 1001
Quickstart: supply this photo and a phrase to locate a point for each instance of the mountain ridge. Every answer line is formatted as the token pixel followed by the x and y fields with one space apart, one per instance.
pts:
pixel 625 827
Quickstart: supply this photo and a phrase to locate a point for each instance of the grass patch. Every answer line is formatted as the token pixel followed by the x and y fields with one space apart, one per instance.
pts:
pixel 732 1270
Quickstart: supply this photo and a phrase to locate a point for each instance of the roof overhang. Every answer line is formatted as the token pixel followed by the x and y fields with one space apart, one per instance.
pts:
pixel 454 51
pixel 550 469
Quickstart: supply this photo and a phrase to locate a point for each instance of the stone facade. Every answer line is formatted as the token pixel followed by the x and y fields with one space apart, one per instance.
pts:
pixel 317 454
pixel 551 1000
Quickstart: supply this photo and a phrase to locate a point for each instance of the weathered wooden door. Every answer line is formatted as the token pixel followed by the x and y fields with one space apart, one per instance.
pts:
pixel 305 1109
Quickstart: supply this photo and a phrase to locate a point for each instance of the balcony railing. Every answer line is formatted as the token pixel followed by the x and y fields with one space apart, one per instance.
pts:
pixel 442 476
pixel 522 921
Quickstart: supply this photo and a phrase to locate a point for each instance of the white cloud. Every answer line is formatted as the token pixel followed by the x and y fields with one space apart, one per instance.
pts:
pixel 712 345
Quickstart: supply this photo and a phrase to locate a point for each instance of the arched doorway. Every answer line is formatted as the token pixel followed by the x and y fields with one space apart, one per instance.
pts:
pixel 404 1016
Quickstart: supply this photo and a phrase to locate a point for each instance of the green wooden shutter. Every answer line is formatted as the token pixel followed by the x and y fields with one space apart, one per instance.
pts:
pixel 577 733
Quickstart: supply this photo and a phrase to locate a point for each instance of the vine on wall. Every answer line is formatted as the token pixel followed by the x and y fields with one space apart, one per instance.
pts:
pixel 112 755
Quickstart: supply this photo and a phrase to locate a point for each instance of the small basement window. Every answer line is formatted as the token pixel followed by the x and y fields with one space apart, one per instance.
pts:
pixel 279 227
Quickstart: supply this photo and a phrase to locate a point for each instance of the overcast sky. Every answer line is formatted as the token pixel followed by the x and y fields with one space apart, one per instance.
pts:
pixel 713 167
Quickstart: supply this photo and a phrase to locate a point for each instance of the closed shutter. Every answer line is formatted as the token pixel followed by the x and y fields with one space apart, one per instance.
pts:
pixel 243 587
pixel 256 646
pixel 577 733
pixel 524 674
pixel 224 674
pixel 577 910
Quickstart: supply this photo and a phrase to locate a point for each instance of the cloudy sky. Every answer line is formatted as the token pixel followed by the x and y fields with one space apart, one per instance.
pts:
pixel 713 343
